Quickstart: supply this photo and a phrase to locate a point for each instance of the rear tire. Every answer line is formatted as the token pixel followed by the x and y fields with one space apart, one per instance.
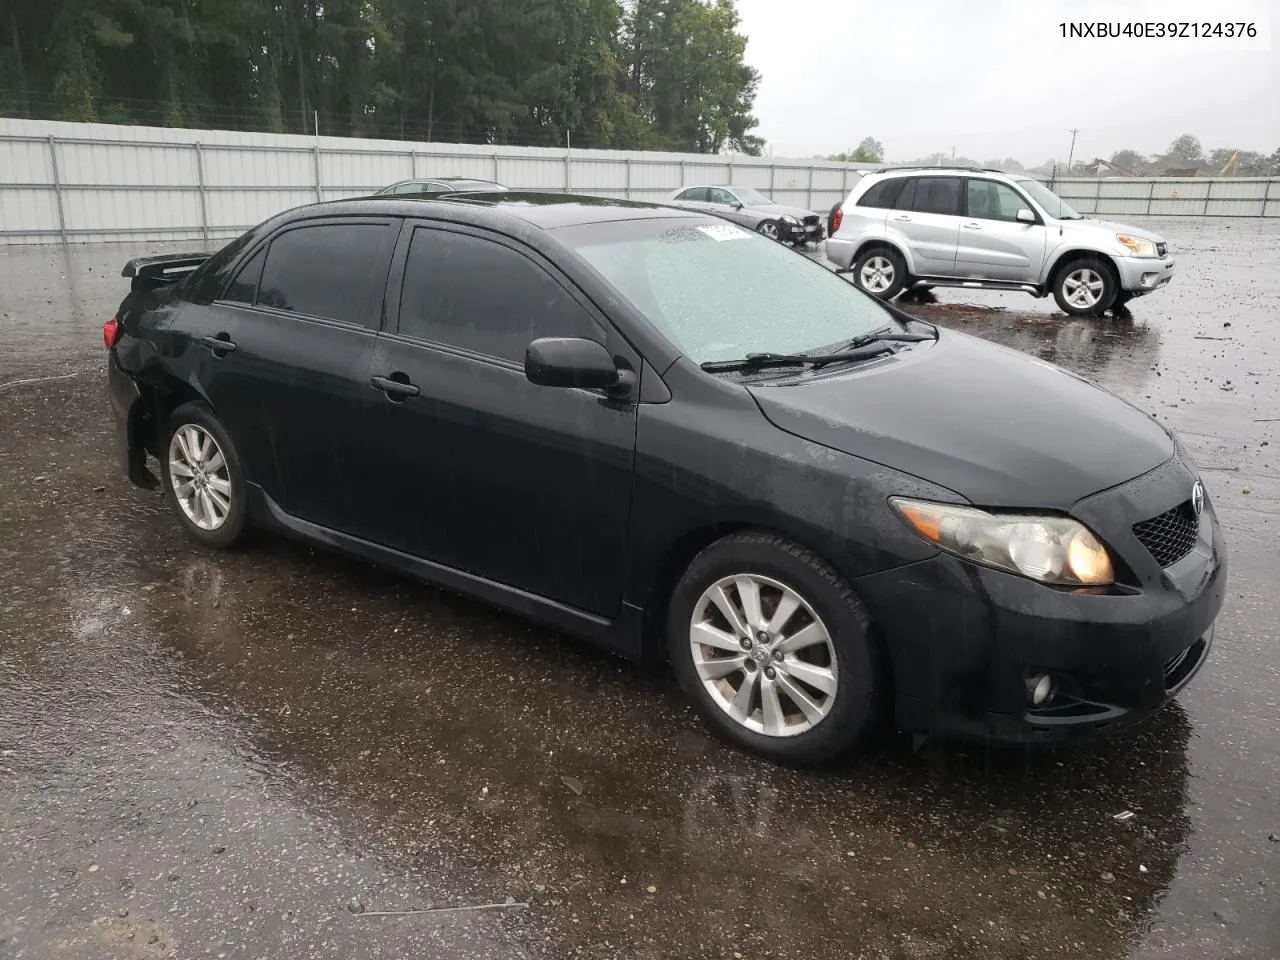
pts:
pixel 812 672
pixel 1085 287
pixel 203 480
pixel 880 272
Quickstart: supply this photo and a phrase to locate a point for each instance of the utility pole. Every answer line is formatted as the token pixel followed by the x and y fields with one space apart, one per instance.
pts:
pixel 1072 153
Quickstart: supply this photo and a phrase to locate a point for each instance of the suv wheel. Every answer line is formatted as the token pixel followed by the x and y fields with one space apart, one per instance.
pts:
pixel 774 649
pixel 880 272
pixel 1085 287
pixel 202 477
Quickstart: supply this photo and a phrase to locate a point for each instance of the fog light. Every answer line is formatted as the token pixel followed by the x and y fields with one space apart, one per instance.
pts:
pixel 1040 689
pixel 1149 279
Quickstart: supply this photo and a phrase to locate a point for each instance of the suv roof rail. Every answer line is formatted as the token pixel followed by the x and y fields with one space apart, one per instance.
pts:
pixel 945 166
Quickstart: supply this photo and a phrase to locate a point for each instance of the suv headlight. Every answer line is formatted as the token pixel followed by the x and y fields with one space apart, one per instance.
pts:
pixel 1055 550
pixel 1137 245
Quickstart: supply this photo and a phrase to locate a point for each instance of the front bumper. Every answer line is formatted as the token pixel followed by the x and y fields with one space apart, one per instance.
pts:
pixel 964 639
pixel 804 233
pixel 1141 275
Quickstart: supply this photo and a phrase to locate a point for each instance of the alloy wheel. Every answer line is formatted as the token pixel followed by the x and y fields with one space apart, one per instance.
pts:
pixel 876 275
pixel 200 476
pixel 770 230
pixel 763 655
pixel 1083 288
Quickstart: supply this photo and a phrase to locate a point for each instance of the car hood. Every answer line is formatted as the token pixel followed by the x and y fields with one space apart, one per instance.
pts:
pixel 778 210
pixel 1109 229
pixel 997 427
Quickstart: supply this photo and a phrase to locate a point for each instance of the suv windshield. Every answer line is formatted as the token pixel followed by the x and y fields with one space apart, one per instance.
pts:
pixel 719 292
pixel 1050 202
pixel 750 198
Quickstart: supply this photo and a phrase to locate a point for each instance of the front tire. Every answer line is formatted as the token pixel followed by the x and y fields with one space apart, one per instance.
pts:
pixel 775 650
pixel 880 272
pixel 203 480
pixel 770 229
pixel 1085 287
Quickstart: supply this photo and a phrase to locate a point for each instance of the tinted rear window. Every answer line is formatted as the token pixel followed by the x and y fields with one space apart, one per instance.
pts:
pixel 937 195
pixel 882 194
pixel 331 270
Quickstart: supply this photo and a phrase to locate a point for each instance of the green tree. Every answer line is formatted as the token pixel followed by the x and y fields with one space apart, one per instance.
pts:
pixel 1185 151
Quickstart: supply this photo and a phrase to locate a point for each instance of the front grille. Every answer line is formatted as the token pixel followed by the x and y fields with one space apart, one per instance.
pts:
pixel 1170 536
pixel 1161 249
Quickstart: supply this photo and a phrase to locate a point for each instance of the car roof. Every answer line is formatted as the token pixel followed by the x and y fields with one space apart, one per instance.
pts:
pixel 545 210
pixel 917 171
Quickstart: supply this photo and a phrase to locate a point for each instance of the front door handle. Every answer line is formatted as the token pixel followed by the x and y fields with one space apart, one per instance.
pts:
pixel 219 345
pixel 393 388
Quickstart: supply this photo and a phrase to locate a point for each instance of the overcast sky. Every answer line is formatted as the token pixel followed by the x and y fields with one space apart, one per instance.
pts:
pixel 995 78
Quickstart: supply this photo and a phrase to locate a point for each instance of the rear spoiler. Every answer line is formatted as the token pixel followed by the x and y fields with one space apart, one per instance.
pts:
pixel 151 272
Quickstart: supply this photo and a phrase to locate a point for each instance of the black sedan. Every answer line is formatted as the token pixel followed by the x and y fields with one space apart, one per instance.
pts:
pixel 662 432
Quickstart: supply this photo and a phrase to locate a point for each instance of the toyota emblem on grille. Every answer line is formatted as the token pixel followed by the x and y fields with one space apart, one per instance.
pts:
pixel 1197 497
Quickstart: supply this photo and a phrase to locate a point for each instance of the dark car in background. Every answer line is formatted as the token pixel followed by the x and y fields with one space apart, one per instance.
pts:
pixel 754 210
pixel 434 186
pixel 664 433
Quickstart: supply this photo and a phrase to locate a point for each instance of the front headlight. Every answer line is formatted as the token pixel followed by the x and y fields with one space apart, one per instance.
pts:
pixel 787 218
pixel 1137 245
pixel 1054 550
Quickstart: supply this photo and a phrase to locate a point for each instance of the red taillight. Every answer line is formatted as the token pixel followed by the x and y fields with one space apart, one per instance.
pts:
pixel 837 219
pixel 111 332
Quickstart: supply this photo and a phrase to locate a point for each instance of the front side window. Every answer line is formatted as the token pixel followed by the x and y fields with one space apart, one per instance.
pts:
pixel 332 270
pixel 723 197
pixel 939 195
pixel 988 200
pixel 482 296
pixel 719 292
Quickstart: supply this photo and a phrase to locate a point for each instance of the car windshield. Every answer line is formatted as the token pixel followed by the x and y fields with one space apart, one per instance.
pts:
pixel 719 292
pixel 750 198
pixel 1050 202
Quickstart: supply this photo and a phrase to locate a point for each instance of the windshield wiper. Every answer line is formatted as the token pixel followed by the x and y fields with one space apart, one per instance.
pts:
pixel 758 361
pixel 891 334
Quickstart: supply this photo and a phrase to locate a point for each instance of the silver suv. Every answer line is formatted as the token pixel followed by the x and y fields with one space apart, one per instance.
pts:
pixel 964 227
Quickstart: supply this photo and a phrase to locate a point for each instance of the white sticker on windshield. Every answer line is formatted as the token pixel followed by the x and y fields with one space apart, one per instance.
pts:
pixel 724 231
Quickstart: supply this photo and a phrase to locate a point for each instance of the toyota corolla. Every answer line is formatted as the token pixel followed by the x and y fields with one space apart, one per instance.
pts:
pixel 666 434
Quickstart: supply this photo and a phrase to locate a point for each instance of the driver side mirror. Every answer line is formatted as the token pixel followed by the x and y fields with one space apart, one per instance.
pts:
pixel 1026 216
pixel 570 362
pixel 737 204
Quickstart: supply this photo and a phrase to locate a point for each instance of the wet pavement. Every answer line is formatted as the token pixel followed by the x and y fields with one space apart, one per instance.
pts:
pixel 254 754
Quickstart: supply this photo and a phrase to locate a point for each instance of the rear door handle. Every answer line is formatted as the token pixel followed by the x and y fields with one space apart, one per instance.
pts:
pixel 394 389
pixel 903 217
pixel 219 344
pixel 973 226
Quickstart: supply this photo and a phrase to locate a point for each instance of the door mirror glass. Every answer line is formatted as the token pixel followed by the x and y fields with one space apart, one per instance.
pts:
pixel 1026 216
pixel 569 362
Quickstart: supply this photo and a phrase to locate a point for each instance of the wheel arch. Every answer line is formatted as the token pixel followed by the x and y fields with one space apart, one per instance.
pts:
pixel 1064 257
pixel 162 395
pixel 682 552
pixel 883 243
